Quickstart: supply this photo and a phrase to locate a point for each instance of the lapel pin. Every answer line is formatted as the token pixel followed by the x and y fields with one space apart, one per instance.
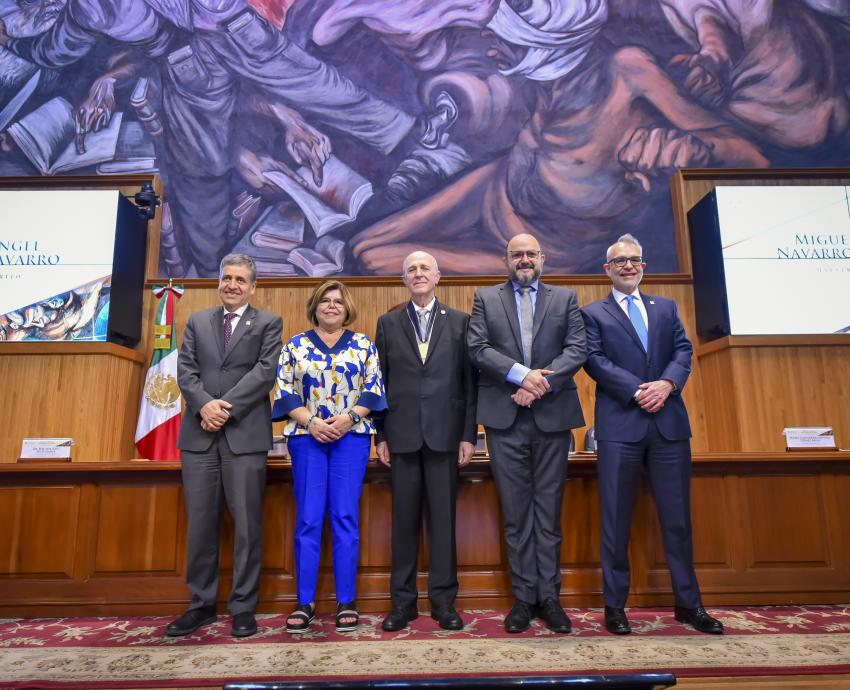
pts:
pixel 247 323
pixel 651 302
pixel 443 312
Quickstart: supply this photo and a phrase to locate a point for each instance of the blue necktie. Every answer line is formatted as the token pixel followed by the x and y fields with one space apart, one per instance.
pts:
pixel 637 322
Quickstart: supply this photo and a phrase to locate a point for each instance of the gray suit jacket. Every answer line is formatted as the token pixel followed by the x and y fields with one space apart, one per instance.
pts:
pixel 243 376
pixel 495 345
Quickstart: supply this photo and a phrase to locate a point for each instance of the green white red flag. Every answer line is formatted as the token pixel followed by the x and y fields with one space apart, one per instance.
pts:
pixel 159 413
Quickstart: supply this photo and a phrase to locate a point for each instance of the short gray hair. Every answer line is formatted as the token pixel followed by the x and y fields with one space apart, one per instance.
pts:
pixel 239 260
pixel 626 238
pixel 419 251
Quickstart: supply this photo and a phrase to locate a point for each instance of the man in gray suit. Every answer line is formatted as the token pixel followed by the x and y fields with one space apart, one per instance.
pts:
pixel 225 371
pixel 527 340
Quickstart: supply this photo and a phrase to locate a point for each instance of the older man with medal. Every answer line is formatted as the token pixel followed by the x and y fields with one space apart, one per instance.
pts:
pixel 428 431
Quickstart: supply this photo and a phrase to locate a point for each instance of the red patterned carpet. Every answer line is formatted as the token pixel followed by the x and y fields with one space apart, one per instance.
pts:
pixel 132 652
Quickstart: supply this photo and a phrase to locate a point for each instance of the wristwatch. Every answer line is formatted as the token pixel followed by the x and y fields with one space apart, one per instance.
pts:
pixel 355 418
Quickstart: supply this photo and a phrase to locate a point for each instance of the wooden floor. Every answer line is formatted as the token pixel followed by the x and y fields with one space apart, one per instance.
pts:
pixel 751 683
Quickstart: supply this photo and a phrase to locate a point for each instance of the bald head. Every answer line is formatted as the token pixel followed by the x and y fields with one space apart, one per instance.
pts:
pixel 524 259
pixel 421 275
pixel 419 256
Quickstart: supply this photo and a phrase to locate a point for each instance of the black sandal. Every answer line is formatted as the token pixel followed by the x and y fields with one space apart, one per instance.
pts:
pixel 305 613
pixel 346 611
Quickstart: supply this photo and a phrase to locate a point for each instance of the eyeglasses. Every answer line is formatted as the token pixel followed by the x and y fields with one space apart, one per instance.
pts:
pixel 531 254
pixel 621 261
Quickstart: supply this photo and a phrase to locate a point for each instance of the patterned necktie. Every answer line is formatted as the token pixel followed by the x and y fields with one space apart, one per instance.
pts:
pixel 526 323
pixel 637 321
pixel 422 315
pixel 228 328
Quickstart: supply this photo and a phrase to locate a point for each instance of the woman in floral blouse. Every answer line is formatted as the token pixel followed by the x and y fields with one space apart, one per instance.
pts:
pixel 328 382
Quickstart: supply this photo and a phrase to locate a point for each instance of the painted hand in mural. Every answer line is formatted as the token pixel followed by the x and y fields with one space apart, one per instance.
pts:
pixel 4 37
pixel 252 168
pixel 96 110
pixel 707 76
pixel 656 151
pixel 306 144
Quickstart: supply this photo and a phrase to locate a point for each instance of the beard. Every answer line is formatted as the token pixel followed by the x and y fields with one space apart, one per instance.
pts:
pixel 524 279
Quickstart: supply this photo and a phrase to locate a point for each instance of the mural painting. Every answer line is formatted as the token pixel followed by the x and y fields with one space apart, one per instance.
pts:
pixel 334 136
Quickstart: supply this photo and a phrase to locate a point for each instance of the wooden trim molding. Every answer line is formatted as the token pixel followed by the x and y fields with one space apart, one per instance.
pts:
pixel 734 341
pixel 67 347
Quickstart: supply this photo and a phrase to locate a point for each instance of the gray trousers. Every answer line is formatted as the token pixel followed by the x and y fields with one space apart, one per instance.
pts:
pixel 529 467
pixel 242 480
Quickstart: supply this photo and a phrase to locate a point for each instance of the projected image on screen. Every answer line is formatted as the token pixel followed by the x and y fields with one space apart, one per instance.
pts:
pixel 79 314
pixel 56 264
pixel 786 256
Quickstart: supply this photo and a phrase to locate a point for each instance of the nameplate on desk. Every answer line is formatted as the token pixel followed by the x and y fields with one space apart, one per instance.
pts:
pixel 809 438
pixel 47 449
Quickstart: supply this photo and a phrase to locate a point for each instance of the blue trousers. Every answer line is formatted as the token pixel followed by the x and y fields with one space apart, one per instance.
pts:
pixel 668 464
pixel 328 478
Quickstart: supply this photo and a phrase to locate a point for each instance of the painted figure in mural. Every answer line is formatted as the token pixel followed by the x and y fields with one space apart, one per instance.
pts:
pixel 608 128
pixel 566 117
pixel 640 358
pixel 227 46
pixel 753 60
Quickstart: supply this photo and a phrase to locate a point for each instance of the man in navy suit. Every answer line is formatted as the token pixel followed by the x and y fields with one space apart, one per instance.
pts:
pixel 640 358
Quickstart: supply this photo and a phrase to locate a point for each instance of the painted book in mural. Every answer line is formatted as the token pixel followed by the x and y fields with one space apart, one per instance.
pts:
pixel 134 152
pixel 337 201
pixel 46 136
pixel 277 228
pixel 325 258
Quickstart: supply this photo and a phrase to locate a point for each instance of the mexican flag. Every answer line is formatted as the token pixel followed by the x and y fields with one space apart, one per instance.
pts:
pixel 159 413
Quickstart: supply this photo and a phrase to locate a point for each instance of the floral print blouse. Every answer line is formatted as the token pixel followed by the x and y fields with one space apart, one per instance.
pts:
pixel 328 380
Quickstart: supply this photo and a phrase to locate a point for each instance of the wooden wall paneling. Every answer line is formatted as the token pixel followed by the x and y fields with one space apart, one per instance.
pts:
pixel 836 488
pixel 753 392
pixel 40 534
pixel 580 567
pixel 719 402
pixel 138 531
pixel 88 396
pixel 735 502
pixel 787 522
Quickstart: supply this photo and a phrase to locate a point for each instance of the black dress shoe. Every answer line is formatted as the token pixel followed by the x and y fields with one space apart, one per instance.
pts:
pixel 616 621
pixel 699 619
pixel 554 616
pixel 447 618
pixel 399 618
pixel 244 624
pixel 519 617
pixel 190 621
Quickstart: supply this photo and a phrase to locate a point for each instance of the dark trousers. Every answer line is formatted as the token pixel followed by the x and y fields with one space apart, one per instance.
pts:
pixel 425 477
pixel 530 467
pixel 242 480
pixel 668 465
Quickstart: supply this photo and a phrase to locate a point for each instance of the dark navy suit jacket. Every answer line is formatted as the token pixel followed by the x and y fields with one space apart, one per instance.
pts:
pixel 618 363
